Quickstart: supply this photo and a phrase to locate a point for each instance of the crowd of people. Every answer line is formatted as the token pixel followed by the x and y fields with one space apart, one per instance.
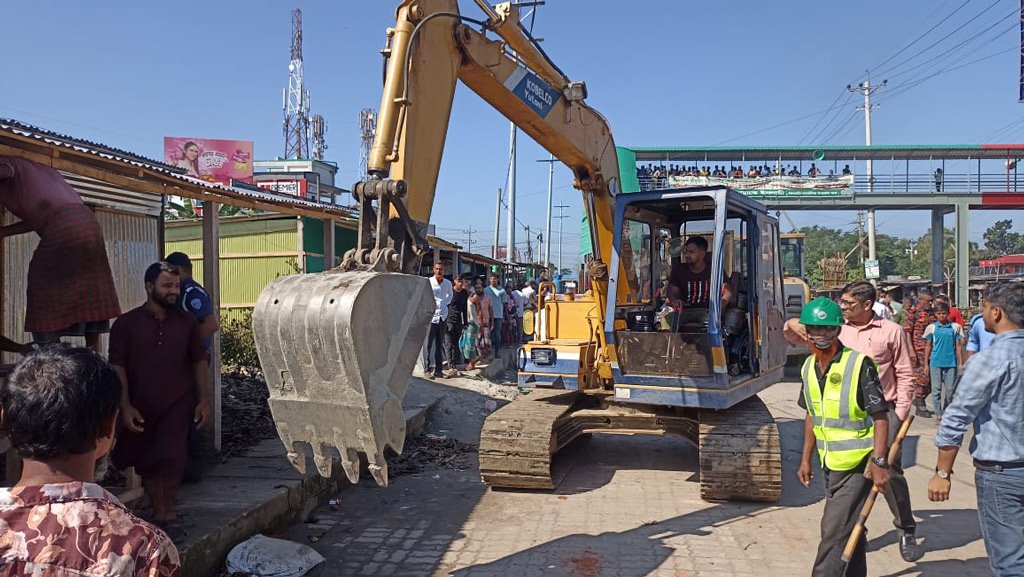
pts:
pixel 657 172
pixel 865 376
pixel 472 321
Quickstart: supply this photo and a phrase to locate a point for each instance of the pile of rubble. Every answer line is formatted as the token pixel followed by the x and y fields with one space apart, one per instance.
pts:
pixel 246 418
pixel 430 452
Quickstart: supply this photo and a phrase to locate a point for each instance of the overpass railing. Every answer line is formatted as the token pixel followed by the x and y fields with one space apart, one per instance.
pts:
pixel 857 183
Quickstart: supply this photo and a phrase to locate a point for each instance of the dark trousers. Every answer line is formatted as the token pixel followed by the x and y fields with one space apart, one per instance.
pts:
pixel 435 346
pixel 452 334
pixel 496 334
pixel 845 492
pixel 896 492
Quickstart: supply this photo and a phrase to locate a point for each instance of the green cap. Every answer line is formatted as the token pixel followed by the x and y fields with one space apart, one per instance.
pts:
pixel 822 311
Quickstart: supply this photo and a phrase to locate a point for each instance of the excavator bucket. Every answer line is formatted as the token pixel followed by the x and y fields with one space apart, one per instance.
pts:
pixel 337 350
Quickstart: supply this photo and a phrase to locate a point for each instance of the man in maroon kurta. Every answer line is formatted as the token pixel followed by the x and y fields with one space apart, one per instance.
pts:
pixel 70 287
pixel 158 353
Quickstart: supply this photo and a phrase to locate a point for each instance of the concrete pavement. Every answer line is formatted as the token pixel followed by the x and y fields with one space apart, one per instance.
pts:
pixel 629 507
pixel 260 492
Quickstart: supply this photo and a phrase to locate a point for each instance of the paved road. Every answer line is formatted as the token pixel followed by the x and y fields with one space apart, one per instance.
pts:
pixel 628 507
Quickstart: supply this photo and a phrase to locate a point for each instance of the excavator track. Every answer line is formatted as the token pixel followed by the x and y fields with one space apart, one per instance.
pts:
pixel 740 455
pixel 518 440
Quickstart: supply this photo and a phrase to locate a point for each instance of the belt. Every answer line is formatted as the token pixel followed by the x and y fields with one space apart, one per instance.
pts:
pixel 997 466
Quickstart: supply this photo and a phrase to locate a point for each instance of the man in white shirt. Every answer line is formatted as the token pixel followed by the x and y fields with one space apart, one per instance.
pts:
pixel 529 291
pixel 521 303
pixel 443 292
pixel 882 310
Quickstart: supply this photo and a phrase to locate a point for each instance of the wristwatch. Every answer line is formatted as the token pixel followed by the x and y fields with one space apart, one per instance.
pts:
pixel 942 474
pixel 880 462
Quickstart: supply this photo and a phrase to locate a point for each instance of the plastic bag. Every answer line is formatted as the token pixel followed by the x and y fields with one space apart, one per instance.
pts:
pixel 262 556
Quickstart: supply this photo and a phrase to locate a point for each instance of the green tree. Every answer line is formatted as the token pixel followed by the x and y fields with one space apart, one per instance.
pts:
pixel 999 239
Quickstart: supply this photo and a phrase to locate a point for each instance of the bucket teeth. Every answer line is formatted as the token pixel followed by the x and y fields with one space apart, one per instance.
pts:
pixel 337 349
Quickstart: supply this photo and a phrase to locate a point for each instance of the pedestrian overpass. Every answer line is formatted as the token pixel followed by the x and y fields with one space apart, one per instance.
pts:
pixel 942 179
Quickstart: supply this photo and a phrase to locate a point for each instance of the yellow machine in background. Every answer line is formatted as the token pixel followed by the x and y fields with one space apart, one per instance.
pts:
pixel 338 351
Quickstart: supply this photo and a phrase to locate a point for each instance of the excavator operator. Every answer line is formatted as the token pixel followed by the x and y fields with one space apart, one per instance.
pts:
pixel 689 285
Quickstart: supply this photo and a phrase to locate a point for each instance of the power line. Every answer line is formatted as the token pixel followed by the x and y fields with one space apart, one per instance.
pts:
pixel 831 107
pixel 941 56
pixel 915 40
pixel 828 125
pixel 916 83
pixel 899 65
pixel 772 127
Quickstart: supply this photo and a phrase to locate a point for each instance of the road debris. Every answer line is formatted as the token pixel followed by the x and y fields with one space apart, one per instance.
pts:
pixel 246 418
pixel 430 452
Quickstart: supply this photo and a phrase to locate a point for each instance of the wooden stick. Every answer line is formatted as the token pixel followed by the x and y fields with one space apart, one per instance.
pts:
pixel 858 529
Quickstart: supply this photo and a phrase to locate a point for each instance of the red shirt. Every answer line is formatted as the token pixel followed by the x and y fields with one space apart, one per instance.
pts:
pixel 956 317
pixel 73 529
pixel 34 191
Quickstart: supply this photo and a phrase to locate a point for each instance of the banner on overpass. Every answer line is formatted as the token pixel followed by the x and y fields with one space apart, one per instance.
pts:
pixel 774 186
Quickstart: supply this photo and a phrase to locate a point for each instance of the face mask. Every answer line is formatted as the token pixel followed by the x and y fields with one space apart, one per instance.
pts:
pixel 822 343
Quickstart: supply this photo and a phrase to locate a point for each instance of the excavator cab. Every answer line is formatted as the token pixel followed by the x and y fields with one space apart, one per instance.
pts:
pixel 687 333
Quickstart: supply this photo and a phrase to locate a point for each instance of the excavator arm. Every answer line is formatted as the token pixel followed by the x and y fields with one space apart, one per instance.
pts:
pixel 336 350
pixel 432 47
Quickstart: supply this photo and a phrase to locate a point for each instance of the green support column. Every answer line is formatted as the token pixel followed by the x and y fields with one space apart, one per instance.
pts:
pixel 963 254
pixel 938 276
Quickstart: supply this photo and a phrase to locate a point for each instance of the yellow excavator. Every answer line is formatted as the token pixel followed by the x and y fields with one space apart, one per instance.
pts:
pixel 338 347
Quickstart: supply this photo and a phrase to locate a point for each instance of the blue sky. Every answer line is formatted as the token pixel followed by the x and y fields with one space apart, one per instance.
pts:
pixel 663 73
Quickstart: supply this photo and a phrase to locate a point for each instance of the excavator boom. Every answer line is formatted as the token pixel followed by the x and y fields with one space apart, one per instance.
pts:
pixel 336 351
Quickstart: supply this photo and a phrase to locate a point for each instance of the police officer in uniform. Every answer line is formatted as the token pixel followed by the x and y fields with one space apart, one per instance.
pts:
pixel 847 422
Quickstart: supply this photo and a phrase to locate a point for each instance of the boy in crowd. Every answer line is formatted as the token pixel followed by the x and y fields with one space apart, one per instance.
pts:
pixel 943 350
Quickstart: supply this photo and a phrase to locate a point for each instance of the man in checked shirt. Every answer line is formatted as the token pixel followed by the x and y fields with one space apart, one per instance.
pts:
pixel 991 398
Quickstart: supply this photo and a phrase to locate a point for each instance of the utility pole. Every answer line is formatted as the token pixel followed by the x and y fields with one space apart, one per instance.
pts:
pixel 497 226
pixel 511 232
pixel 547 232
pixel 560 216
pixel 469 238
pixel 866 89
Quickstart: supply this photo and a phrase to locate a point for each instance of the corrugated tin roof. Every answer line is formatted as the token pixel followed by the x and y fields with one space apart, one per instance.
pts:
pixel 442 243
pixel 13 133
pixel 51 137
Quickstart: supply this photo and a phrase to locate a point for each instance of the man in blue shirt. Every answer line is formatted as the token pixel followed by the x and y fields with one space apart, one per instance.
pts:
pixel 497 295
pixel 978 337
pixel 193 298
pixel 991 398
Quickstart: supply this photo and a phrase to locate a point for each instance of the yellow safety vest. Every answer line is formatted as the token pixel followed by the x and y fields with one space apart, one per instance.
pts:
pixel 845 432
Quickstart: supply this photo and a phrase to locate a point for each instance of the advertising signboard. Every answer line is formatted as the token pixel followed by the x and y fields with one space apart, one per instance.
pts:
pixel 212 160
pixel 291 187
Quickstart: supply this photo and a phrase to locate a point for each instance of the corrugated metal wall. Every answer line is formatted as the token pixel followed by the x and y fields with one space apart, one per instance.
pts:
pixel 131 241
pixel 253 252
